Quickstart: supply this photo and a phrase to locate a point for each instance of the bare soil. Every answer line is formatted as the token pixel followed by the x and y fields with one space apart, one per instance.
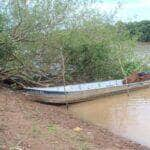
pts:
pixel 28 125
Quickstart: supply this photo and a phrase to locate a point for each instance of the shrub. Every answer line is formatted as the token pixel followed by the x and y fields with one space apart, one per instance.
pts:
pixel 95 52
pixel 34 39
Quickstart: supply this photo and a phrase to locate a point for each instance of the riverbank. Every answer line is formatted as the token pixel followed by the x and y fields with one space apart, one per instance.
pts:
pixel 33 126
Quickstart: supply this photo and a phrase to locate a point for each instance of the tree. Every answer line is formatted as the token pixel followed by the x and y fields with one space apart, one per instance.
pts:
pixel 38 33
pixel 140 29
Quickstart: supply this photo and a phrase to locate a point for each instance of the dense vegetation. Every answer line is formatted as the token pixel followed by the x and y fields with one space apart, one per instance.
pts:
pixel 39 38
pixel 140 29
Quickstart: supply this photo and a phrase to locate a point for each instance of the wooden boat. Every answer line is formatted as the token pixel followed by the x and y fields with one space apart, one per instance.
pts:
pixel 82 92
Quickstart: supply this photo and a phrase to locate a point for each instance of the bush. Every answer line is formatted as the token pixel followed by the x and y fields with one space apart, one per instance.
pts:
pixel 95 52
pixel 6 44
pixel 6 47
pixel 94 49
pixel 140 29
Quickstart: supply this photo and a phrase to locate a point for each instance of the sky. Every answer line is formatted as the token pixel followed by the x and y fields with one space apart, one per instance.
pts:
pixel 130 10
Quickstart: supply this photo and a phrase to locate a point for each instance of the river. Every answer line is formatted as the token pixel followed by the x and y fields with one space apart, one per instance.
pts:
pixel 142 50
pixel 127 116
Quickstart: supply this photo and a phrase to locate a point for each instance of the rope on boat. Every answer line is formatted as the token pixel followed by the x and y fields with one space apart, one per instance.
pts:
pixel 64 80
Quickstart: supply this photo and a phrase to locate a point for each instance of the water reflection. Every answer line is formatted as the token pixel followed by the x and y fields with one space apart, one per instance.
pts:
pixel 128 116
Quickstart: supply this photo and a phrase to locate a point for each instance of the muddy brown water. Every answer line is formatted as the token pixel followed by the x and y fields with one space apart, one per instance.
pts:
pixel 127 116
pixel 142 50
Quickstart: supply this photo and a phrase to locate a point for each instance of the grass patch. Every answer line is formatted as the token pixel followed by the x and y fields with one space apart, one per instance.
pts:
pixel 52 128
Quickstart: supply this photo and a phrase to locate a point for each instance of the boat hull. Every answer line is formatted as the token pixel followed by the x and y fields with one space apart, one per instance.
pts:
pixel 87 95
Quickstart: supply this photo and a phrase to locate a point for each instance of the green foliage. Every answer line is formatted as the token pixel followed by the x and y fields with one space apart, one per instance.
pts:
pixel 140 29
pixel 35 35
pixel 94 51
pixel 52 128
pixel 6 47
pixel 1 23
pixel 132 66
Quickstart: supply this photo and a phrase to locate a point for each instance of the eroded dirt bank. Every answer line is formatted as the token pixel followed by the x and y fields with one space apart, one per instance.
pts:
pixel 27 125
